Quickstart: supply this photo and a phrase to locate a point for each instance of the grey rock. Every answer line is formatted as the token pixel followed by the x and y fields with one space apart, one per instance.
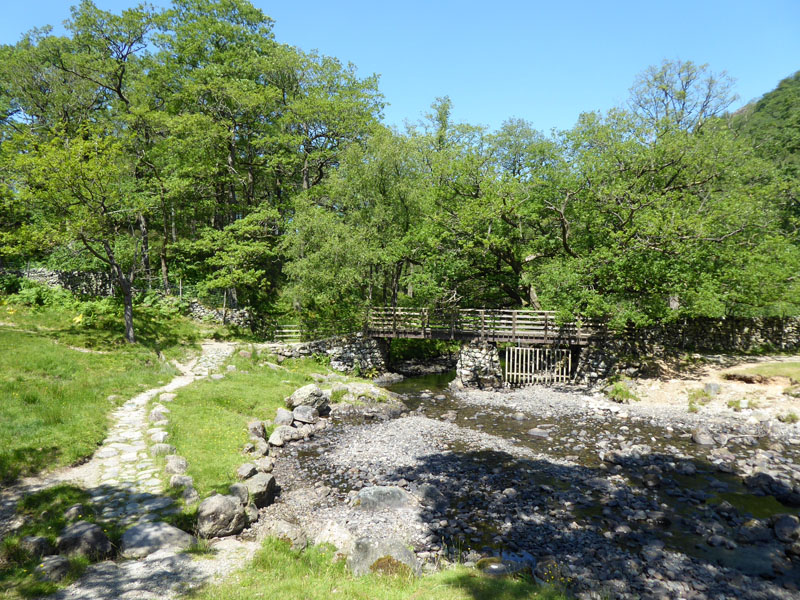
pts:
pixel 190 495
pixel 145 538
pixel 337 536
pixel 246 470
pixel 381 497
pixel 75 512
pixel 712 389
pixel 262 489
pixel 159 437
pixel 52 568
pixel 787 528
pixel 251 512
pixel 308 395
pixel 180 481
pixel 220 516
pixel 167 397
pixel 306 414
pixel 176 465
pixel 288 532
pixel 430 495
pixel 284 417
pixel 84 539
pixel 281 435
pixel 217 376
pixel 702 437
pixel 264 465
pixel 36 545
pixel 158 414
pixel 162 449
pixel 260 448
pixel 245 354
pixel 240 491
pixel 256 429
pixel 370 556
pixel 538 433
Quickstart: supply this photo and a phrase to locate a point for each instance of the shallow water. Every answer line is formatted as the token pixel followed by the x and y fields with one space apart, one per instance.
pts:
pixel 686 500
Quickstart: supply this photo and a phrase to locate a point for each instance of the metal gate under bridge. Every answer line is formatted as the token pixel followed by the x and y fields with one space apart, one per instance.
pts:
pixel 527 366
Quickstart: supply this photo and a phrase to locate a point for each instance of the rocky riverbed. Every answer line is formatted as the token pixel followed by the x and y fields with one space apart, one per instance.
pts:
pixel 615 500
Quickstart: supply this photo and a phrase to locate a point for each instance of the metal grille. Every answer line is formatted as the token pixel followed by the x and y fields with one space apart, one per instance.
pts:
pixel 527 366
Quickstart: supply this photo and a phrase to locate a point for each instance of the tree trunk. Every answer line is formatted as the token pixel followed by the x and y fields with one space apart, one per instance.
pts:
pixel 145 249
pixel 127 300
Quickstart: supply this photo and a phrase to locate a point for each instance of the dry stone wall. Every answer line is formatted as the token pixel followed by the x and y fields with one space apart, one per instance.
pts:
pixel 348 353
pixel 478 366
pixel 631 352
pixel 87 283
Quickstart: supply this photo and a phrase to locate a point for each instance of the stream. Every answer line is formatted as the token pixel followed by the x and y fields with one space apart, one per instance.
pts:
pixel 600 496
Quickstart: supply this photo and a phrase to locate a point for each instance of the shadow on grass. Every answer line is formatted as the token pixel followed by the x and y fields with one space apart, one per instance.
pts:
pixel 42 513
pixel 24 461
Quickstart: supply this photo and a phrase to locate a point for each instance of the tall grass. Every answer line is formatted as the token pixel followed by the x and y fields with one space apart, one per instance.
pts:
pixel 55 399
pixel 208 421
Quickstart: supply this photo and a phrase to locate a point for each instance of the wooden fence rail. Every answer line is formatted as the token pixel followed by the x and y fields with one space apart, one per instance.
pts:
pixel 516 326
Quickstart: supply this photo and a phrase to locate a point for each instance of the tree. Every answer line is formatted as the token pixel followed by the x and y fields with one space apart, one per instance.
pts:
pixel 680 94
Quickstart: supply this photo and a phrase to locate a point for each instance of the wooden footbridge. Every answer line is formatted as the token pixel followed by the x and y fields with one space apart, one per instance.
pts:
pixel 521 327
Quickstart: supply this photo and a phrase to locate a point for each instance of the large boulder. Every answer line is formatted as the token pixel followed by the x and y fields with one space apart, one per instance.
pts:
pixel 261 487
pixel 381 497
pixel 702 437
pixel 337 536
pixel 84 539
pixel 288 532
pixel 283 434
pixel 145 538
pixel 388 556
pixel 284 417
pixel 308 395
pixel 52 568
pixel 787 528
pixel 176 465
pixel 306 414
pixel 220 516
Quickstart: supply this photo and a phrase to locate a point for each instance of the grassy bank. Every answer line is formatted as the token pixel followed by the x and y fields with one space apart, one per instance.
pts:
pixel 55 398
pixel 208 424
pixel 277 571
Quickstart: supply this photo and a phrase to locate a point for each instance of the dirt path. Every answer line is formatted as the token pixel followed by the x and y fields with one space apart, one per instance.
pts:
pixel 127 487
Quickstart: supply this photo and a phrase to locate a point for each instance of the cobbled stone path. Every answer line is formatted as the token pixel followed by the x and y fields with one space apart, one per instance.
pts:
pixel 127 484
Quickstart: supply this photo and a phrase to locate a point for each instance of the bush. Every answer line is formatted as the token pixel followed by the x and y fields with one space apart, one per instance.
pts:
pixel 35 294
pixel 10 284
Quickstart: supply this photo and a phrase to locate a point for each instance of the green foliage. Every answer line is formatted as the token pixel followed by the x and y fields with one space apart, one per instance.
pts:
pixel 698 396
pixel 735 404
pixel 208 420
pixel 619 391
pixel 789 418
pixel 406 349
pixel 314 575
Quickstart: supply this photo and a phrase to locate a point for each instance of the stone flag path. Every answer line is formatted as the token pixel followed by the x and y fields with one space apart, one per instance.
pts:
pixel 126 485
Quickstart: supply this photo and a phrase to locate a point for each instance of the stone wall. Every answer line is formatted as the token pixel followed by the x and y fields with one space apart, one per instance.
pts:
pixel 87 283
pixel 478 366
pixel 348 353
pixel 234 316
pixel 632 352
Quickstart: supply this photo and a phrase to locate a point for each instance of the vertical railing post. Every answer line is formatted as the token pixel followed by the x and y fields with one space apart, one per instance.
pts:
pixel 546 337
pixel 514 326
pixel 483 325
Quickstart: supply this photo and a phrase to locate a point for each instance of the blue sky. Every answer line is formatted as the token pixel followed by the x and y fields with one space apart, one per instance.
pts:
pixel 542 61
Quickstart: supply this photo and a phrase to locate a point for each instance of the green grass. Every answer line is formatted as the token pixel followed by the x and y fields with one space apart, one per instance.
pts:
pixel 208 420
pixel 790 370
pixel 277 571
pixel 43 514
pixel 55 399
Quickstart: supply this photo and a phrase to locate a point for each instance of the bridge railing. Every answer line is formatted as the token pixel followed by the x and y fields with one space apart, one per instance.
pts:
pixel 490 325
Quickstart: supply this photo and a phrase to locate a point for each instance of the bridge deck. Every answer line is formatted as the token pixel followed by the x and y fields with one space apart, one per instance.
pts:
pixel 523 327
